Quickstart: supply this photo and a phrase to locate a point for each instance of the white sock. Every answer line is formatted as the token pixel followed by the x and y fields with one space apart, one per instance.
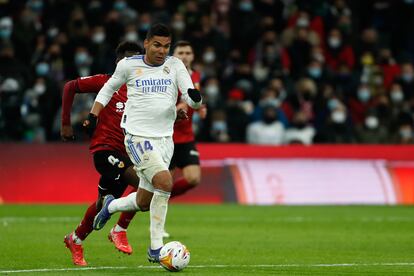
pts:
pixel 118 228
pixel 158 214
pixel 76 239
pixel 122 204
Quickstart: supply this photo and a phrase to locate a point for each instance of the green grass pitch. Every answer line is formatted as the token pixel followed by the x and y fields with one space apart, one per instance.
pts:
pixel 223 240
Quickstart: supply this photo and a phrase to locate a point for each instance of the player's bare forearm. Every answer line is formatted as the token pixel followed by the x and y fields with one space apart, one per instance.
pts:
pixel 97 108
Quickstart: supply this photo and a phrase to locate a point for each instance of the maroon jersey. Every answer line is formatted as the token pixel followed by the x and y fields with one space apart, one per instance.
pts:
pixel 108 134
pixel 183 130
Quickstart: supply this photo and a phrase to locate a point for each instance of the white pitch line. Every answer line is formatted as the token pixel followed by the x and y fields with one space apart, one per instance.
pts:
pixel 295 219
pixel 206 266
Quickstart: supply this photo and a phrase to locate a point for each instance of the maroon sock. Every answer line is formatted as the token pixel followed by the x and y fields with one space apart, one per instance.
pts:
pixel 180 187
pixel 125 218
pixel 86 225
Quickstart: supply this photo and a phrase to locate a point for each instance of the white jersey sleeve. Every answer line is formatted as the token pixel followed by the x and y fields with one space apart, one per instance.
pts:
pixel 184 83
pixel 113 84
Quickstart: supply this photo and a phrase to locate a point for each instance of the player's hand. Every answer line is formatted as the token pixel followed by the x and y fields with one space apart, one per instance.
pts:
pixel 202 111
pixel 90 124
pixel 66 133
pixel 182 109
pixel 182 115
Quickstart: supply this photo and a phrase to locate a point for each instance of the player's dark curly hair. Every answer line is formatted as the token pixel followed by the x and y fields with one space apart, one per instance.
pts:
pixel 128 46
pixel 158 29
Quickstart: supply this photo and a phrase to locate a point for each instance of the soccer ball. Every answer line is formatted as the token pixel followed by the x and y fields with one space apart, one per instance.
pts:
pixel 174 256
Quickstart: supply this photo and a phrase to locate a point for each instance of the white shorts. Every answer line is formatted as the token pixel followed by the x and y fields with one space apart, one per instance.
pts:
pixel 150 156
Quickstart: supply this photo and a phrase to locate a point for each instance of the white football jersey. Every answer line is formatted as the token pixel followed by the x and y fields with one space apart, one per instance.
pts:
pixel 152 94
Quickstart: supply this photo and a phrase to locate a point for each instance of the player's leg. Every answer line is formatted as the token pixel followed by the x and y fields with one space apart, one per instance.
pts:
pixel 131 178
pixel 130 202
pixel 161 180
pixel 118 233
pixel 116 169
pixel 73 241
pixel 187 159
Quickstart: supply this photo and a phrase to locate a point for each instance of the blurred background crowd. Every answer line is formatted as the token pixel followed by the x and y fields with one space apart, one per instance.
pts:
pixel 273 71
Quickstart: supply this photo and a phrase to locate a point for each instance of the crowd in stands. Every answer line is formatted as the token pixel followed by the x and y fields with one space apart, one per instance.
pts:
pixel 273 71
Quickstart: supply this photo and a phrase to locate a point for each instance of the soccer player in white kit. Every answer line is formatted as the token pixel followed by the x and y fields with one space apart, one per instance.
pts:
pixel 153 81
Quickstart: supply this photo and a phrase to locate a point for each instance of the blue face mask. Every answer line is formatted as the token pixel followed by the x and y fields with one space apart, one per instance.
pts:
pixel 332 104
pixel 407 77
pixel 42 69
pixel 120 6
pixel 81 58
pixel 364 95
pixel 144 27
pixel 36 5
pixel 5 33
pixel 219 126
pixel 315 72
pixel 246 6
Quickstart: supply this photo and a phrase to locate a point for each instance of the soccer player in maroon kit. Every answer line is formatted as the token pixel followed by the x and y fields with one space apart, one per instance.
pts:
pixel 110 157
pixel 185 155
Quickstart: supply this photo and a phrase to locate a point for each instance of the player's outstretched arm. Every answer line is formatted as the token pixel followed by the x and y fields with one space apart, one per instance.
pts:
pixel 189 94
pixel 68 95
pixel 90 84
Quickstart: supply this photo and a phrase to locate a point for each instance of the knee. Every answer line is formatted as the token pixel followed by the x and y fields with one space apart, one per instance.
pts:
pixel 144 207
pixel 162 181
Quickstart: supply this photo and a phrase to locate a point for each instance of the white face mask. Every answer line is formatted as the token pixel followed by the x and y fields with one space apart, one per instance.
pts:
pixel 212 91
pixel 270 102
pixel 260 73
pixel 39 88
pixel 371 122
pixel 406 133
pixel 98 37
pixel 334 42
pixel 131 36
pixel 338 117
pixel 209 57
pixel 178 25
pixel 302 22
pixel 397 96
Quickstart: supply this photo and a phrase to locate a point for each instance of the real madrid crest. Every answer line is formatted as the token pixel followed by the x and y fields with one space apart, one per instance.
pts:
pixel 138 72
pixel 166 70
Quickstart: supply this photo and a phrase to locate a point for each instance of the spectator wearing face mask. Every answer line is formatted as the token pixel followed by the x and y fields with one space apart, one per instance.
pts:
pixel 83 62
pixel 45 97
pixel 406 80
pixel 270 97
pixel 404 131
pixel 338 51
pixel 219 128
pixel 100 50
pixel 268 131
pixel 316 71
pixel 14 79
pixel 372 131
pixel 337 129
pixel 360 102
pixel 397 101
